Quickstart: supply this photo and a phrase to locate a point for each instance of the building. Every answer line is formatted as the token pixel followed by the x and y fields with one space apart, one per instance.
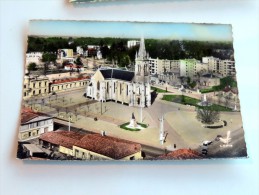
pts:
pixel 223 67
pixel 227 68
pixel 42 86
pixel 61 141
pixel 160 66
pixel 191 67
pixel 132 43
pixel 126 87
pixel 65 84
pixel 65 55
pixel 91 146
pixel 33 57
pixel 35 86
pixel 79 50
pixel 209 80
pixel 73 67
pixel 33 124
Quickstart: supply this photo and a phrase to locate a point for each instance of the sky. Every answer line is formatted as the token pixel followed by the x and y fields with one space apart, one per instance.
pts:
pixel 172 31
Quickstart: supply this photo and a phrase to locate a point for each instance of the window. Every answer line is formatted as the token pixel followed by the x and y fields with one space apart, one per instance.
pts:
pixel 46 129
pixel 98 85
pixel 24 86
pixel 24 94
pixel 29 134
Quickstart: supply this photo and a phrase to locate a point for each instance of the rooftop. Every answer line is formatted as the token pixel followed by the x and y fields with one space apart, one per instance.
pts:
pixel 27 115
pixel 181 154
pixel 114 148
pixel 117 74
pixel 61 138
pixel 69 80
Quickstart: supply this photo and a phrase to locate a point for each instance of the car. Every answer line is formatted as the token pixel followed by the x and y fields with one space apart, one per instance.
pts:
pixel 206 143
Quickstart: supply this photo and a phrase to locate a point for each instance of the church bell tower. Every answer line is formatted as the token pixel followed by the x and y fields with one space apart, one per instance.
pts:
pixel 142 73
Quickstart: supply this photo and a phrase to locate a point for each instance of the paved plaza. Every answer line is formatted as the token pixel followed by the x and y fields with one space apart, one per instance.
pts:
pixel 182 129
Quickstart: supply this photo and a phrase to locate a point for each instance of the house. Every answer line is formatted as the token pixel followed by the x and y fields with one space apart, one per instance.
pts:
pixel 33 151
pixel 62 141
pixel 91 146
pixel 209 80
pixel 33 124
pixel 102 147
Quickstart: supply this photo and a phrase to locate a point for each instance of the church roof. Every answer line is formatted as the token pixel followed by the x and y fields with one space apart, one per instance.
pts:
pixel 117 74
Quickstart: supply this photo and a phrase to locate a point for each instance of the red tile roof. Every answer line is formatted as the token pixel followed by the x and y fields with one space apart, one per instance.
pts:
pixel 181 154
pixel 61 138
pixel 27 114
pixel 69 80
pixel 114 148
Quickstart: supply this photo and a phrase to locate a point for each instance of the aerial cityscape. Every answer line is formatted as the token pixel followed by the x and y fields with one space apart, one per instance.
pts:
pixel 106 98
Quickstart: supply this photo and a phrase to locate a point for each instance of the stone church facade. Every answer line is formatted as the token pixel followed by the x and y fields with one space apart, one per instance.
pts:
pixel 122 86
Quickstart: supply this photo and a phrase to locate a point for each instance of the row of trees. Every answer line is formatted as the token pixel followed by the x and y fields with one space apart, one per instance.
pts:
pixel 118 51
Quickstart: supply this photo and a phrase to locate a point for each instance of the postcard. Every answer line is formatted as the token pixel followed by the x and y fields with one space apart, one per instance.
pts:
pixel 129 91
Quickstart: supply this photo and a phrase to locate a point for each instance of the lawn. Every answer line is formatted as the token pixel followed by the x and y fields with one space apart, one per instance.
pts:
pixel 123 126
pixel 181 99
pixel 158 90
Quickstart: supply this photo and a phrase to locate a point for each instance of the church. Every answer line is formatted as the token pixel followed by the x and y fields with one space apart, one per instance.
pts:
pixel 123 86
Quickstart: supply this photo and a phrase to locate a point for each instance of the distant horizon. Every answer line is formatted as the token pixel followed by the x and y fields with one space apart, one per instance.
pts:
pixel 131 30
pixel 129 38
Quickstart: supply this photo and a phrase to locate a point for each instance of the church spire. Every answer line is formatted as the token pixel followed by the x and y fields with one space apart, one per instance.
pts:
pixel 142 54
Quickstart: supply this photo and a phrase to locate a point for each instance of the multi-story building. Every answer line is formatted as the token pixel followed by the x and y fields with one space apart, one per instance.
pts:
pixel 160 66
pixel 35 86
pixel 44 85
pixel 33 124
pixel 66 84
pixel 65 55
pixel 33 57
pixel 132 43
pixel 227 68
pixel 191 67
pixel 223 67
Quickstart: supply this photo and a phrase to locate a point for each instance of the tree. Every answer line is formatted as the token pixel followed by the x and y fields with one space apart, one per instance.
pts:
pixel 32 67
pixel 47 58
pixel 78 61
pixel 207 115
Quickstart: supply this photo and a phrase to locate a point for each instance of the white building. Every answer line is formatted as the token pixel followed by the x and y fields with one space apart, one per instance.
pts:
pixel 99 55
pixel 132 43
pixel 33 57
pixel 33 125
pixel 223 67
pixel 160 66
pixel 126 87
pixel 79 50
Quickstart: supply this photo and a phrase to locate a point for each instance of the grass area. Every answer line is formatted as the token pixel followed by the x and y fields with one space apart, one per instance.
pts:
pixel 158 90
pixel 226 81
pixel 208 90
pixel 124 126
pixel 181 99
